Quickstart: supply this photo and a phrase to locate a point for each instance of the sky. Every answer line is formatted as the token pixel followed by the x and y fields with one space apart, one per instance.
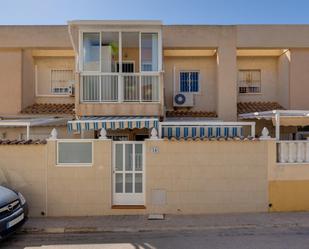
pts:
pixel 18 12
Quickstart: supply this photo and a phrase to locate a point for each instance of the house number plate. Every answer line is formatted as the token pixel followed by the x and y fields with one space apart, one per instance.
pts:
pixel 155 149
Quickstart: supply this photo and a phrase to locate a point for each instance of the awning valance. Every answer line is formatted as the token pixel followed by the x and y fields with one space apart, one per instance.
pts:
pixel 292 121
pixel 97 123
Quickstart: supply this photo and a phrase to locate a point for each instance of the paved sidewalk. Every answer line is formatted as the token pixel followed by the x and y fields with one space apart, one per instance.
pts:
pixel 138 223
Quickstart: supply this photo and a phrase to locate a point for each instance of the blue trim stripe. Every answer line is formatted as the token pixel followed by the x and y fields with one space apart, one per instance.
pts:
pixel 78 127
pixel 226 131
pixel 234 131
pixel 185 132
pixel 169 132
pixel 177 132
pixel 218 131
pixel 209 131
pixel 155 124
pixel 193 132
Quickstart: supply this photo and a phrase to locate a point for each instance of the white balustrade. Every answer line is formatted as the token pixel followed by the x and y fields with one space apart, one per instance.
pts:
pixel 129 87
pixel 293 151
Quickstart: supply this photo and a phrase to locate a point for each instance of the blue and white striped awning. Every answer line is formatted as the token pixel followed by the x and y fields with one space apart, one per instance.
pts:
pixel 112 122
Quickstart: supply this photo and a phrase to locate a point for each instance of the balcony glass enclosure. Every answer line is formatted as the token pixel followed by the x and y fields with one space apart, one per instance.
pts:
pixel 120 67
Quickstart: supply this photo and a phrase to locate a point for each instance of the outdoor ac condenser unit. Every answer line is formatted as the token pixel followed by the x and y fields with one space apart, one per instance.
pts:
pixel 184 100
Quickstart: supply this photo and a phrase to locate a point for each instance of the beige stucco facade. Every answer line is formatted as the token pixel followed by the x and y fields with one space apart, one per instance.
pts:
pixel 283 75
pixel 194 177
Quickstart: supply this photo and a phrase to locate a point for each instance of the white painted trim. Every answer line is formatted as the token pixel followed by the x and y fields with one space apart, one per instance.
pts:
pixel 116 22
pixel 128 198
pixel 199 80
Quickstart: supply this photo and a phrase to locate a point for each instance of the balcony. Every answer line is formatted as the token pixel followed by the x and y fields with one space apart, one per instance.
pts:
pixel 120 88
pixel 110 94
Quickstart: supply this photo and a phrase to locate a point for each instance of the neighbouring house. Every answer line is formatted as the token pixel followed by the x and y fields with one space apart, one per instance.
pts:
pixel 111 117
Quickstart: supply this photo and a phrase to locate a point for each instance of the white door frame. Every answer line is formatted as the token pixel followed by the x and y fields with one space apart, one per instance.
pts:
pixel 128 198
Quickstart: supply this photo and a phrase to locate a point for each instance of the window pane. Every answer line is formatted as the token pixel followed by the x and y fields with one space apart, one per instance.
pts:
pixel 184 81
pixel 149 51
pixel 129 157
pixel 129 183
pixel 138 183
pixel 119 157
pixel 91 51
pixel 109 51
pixel 139 157
pixel 119 183
pixel 71 152
pixel 130 51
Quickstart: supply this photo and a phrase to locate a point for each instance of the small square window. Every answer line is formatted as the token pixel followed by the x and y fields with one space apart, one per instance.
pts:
pixel 249 81
pixel 189 81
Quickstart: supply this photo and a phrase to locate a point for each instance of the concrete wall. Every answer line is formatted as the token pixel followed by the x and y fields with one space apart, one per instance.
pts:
pixel 208 177
pixel 284 79
pixel 23 167
pixel 36 36
pixel 206 99
pixel 288 185
pixel 44 66
pixel 194 177
pixel 299 79
pixel 10 81
pixel 28 78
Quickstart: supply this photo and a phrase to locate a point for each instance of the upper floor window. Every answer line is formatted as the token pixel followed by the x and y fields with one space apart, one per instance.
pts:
pixel 189 81
pixel 105 51
pixel 249 81
pixel 62 81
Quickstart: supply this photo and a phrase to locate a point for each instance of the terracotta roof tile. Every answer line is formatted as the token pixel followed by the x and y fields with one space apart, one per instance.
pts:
pixel 193 114
pixel 48 108
pixel 247 107
pixel 21 142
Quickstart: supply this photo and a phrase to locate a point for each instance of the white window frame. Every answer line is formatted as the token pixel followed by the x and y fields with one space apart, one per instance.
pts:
pixel 190 71
pixel 119 30
pixel 59 164
pixel 240 85
pixel 68 84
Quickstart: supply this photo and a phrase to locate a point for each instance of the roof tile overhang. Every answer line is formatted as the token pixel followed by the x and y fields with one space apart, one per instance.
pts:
pixel 248 107
pixel 21 142
pixel 49 108
pixel 190 114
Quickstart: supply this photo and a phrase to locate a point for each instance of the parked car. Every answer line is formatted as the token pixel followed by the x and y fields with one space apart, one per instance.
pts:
pixel 13 211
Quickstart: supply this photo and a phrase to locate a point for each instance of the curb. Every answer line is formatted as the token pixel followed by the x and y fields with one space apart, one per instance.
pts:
pixel 72 230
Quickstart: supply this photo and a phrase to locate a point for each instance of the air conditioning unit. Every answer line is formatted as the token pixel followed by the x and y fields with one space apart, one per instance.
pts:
pixel 184 99
pixel 67 90
pixel 71 90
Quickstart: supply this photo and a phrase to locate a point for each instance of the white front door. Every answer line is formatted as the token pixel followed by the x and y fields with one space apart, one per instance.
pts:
pixel 128 173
